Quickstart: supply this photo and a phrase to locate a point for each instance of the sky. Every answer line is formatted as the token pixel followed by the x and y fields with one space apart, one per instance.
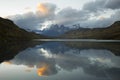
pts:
pixel 40 14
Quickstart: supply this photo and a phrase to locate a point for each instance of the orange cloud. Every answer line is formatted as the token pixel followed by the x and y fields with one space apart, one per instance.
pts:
pixel 42 8
pixel 41 71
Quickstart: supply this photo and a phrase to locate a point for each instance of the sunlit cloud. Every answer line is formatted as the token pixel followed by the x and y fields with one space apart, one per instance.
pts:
pixel 42 70
pixel 42 8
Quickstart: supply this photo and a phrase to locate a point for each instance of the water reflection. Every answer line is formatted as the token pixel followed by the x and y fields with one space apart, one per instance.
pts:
pixel 66 61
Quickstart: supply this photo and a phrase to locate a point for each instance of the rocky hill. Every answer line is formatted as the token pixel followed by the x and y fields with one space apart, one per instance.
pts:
pixel 111 32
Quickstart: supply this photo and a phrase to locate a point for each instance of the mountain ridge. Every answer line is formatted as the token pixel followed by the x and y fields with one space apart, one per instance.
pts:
pixel 54 30
pixel 111 32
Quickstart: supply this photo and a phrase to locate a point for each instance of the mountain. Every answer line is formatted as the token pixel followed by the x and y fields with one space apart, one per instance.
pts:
pixel 111 32
pixel 10 31
pixel 53 31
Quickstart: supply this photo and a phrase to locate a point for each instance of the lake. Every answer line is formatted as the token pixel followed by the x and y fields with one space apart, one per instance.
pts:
pixel 60 60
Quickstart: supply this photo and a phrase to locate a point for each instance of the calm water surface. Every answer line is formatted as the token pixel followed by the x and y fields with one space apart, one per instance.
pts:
pixel 71 60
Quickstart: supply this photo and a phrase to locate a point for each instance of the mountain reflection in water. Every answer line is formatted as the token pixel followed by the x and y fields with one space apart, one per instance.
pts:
pixel 61 61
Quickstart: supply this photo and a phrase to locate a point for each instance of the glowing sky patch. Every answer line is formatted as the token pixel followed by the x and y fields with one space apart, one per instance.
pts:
pixel 42 8
pixel 41 71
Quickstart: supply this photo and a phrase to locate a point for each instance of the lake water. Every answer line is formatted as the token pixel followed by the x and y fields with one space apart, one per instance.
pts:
pixel 60 60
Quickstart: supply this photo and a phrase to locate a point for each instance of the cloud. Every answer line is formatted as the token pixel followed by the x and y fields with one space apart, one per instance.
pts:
pixel 70 16
pixel 116 15
pixel 94 14
pixel 94 6
pixel 113 4
pixel 101 5
pixel 42 8
pixel 46 9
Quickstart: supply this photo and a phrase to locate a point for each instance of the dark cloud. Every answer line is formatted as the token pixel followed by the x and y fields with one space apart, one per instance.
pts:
pixel 113 4
pixel 101 5
pixel 27 21
pixel 70 16
pixel 98 23
pixel 94 6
